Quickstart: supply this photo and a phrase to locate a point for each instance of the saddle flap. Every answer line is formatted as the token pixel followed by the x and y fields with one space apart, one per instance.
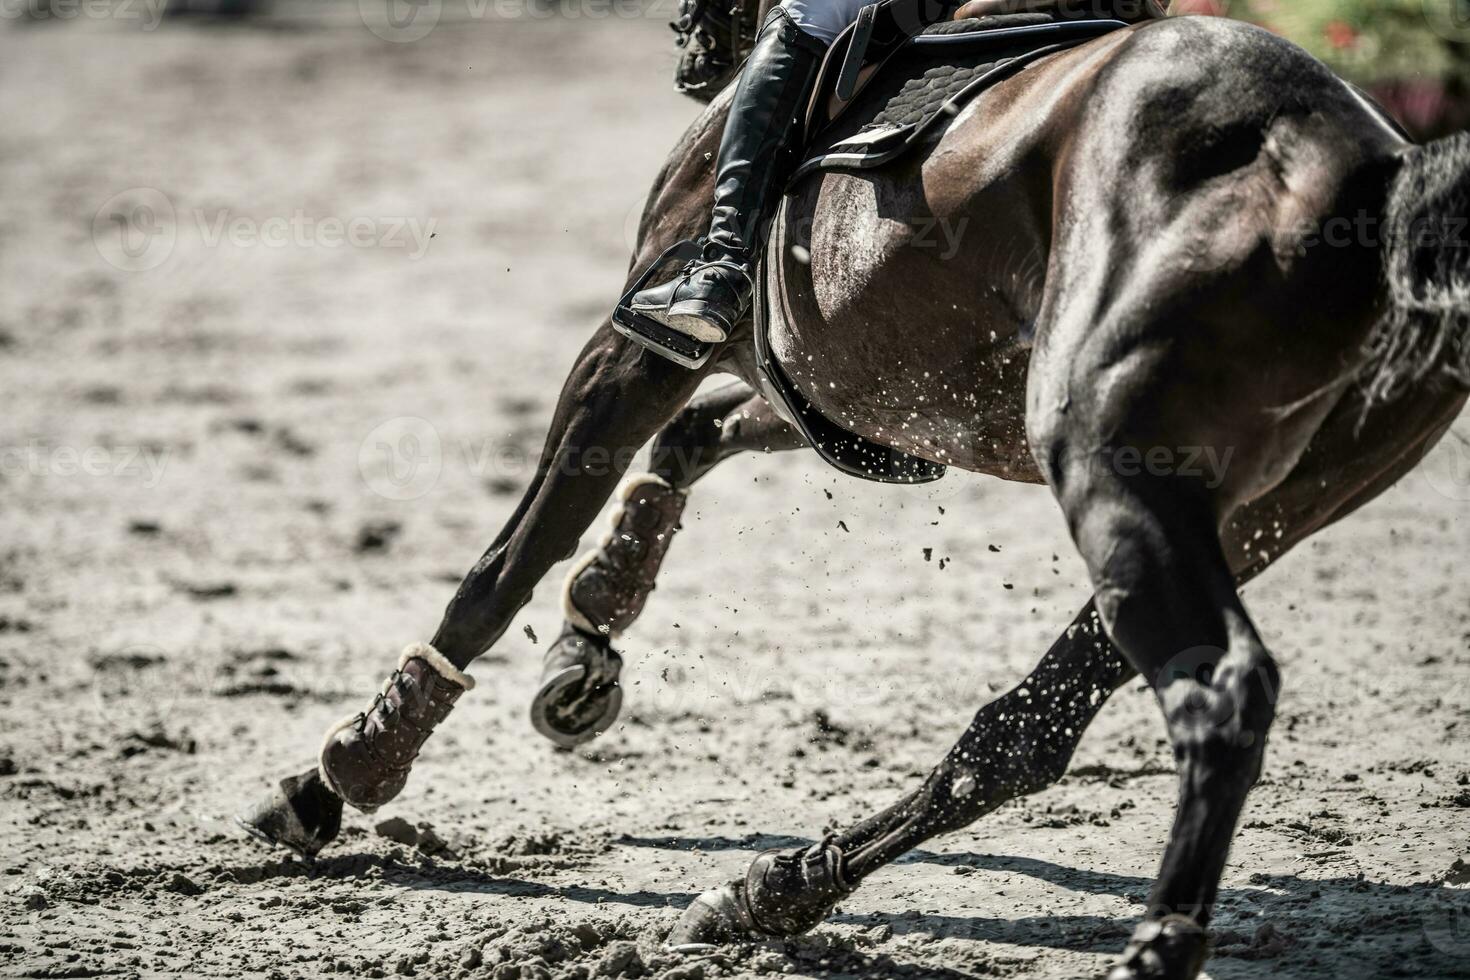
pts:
pixel 921 84
pixel 867 48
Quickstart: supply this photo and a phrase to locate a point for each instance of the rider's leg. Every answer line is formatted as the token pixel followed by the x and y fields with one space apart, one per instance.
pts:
pixel 710 297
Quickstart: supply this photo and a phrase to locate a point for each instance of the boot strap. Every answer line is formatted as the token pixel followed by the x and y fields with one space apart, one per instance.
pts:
pixel 696 267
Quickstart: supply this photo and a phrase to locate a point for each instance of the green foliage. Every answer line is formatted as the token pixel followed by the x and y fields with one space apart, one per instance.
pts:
pixel 1372 40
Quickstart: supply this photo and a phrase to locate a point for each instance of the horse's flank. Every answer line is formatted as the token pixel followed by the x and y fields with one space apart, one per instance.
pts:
pixel 1201 163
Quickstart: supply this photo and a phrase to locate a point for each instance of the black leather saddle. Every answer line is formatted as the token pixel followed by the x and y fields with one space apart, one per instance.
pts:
pixel 889 86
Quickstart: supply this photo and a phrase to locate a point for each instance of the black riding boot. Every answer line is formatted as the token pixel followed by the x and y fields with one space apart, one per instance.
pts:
pixel 710 296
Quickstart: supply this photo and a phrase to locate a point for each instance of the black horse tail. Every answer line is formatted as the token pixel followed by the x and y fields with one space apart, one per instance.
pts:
pixel 1426 264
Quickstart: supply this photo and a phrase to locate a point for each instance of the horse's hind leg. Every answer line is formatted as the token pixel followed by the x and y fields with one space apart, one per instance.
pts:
pixel 1168 598
pixel 607 588
pixel 1114 420
pixel 1018 744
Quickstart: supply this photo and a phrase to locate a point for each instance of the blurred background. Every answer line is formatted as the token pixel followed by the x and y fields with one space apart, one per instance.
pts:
pixel 287 292
pixel 1413 55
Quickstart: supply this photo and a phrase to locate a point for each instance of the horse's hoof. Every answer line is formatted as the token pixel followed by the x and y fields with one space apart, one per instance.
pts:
pixel 780 895
pixel 1172 948
pixel 791 893
pixel 300 814
pixel 580 695
pixel 713 919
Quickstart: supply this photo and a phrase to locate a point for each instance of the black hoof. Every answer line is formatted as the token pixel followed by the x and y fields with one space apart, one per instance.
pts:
pixel 580 695
pixel 1171 948
pixel 300 814
pixel 713 919
pixel 781 895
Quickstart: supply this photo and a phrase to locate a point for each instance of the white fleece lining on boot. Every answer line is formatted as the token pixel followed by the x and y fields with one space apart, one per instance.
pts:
pixel 625 493
pixel 568 607
pixel 420 651
pixel 437 660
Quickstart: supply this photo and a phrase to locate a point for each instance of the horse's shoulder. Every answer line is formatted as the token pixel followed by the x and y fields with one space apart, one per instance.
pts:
pixel 1201 92
pixel 1213 62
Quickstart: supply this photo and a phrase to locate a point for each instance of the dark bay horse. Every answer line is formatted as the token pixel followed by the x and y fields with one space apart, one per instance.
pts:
pixel 1185 236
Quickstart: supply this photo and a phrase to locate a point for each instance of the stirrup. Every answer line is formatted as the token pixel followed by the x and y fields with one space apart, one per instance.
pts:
pixel 647 332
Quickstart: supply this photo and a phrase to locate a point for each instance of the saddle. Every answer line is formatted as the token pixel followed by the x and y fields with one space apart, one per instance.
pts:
pixel 889 86
pixel 886 98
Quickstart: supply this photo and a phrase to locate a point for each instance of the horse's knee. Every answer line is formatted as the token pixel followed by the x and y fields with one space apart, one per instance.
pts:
pixel 1219 705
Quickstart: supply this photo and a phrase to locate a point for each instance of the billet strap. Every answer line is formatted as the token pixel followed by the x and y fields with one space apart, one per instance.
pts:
pixel 857 47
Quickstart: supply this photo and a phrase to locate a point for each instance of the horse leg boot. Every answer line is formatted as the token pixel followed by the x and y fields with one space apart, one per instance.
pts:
pixel 615 398
pixel 607 588
pixel 710 296
pixel 366 758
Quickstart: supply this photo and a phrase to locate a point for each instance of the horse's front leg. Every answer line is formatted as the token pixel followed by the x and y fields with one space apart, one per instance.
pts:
pixel 607 588
pixel 614 400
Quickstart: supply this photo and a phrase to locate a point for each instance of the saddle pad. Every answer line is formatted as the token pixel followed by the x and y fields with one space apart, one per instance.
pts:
pixel 925 84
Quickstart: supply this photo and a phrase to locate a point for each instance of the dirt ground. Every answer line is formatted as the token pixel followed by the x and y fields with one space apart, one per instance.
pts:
pixel 245 462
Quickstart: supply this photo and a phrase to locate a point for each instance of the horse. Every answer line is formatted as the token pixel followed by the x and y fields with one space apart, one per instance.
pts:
pixel 1184 233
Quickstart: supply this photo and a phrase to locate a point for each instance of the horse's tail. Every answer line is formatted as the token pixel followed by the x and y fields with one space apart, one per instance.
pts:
pixel 1426 264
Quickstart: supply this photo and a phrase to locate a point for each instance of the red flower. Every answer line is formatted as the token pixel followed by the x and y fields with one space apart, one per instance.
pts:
pixel 1209 8
pixel 1340 34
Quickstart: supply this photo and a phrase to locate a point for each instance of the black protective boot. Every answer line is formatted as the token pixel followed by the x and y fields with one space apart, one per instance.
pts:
pixel 711 295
